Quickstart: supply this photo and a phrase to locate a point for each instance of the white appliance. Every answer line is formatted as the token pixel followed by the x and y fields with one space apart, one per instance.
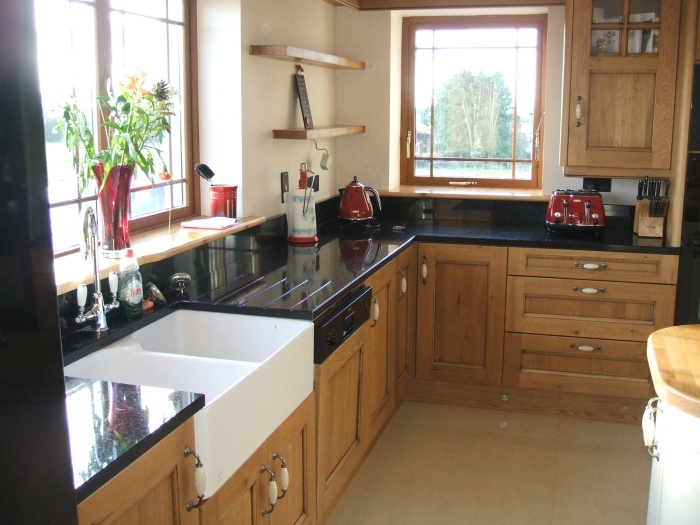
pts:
pixel 671 425
pixel 674 489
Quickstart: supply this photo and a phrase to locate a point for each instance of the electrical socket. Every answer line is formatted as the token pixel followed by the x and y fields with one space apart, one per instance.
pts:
pixel 597 184
pixel 284 183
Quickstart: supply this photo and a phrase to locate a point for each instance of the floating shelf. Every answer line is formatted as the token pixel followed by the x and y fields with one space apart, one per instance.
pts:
pixel 319 132
pixel 305 56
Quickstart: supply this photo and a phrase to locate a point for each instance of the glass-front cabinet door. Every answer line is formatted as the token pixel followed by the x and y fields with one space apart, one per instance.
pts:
pixel 622 70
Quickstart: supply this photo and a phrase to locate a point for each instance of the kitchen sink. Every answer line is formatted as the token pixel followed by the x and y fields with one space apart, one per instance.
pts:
pixel 253 371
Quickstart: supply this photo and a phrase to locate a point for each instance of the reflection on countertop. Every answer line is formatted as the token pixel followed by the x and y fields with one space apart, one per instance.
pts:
pixel 112 423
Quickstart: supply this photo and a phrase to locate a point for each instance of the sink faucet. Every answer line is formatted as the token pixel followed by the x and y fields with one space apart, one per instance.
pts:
pixel 99 309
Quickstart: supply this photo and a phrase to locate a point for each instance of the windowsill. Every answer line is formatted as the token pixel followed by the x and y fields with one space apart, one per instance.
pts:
pixel 149 246
pixel 465 192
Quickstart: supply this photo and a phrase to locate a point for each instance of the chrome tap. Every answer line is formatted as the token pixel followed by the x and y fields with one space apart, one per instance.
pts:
pixel 99 309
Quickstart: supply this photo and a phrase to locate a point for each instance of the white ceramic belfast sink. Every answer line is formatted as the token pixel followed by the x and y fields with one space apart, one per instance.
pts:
pixel 253 371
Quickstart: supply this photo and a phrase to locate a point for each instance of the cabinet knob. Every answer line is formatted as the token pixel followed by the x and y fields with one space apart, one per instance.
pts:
pixel 375 311
pixel 403 286
pixel 424 269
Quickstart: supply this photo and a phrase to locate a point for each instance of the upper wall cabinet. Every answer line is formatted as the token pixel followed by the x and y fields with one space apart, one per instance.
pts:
pixel 620 83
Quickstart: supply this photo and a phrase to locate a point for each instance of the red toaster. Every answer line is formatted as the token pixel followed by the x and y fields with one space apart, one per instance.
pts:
pixel 575 210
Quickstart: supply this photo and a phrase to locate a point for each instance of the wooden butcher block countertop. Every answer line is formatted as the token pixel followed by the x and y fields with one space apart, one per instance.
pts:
pixel 674 360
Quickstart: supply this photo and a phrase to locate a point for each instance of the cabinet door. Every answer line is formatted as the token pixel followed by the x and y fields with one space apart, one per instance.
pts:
pixel 378 385
pixel 622 68
pixel 404 319
pixel 341 435
pixel 461 310
pixel 153 490
pixel 294 442
pixel 239 501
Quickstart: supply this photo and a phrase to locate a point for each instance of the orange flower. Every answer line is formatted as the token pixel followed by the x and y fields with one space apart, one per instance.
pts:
pixel 135 80
pixel 164 175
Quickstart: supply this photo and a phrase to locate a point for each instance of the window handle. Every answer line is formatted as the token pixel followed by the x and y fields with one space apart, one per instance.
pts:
pixel 408 145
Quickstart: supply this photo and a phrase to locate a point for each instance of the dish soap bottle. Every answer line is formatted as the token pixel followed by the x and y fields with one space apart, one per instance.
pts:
pixel 130 286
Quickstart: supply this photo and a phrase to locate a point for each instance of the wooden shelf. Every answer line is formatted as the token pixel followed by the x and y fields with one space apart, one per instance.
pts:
pixel 319 132
pixel 305 56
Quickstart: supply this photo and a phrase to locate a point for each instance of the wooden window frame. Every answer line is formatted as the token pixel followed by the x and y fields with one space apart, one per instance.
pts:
pixel 410 25
pixel 188 105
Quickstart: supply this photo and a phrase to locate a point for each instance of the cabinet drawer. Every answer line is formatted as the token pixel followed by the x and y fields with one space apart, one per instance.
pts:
pixel 601 266
pixel 577 365
pixel 621 311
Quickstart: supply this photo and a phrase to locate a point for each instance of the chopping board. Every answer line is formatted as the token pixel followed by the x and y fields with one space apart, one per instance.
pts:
pixel 674 361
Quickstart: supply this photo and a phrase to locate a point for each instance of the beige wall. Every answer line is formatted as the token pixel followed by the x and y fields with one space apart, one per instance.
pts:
pixel 236 133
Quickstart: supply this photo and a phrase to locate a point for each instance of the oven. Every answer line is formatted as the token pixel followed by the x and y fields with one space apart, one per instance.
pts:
pixel 340 322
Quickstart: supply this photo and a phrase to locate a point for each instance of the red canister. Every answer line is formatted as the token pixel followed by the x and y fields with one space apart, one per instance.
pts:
pixel 222 199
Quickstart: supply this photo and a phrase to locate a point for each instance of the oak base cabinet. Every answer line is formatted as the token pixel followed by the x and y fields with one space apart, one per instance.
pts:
pixel 404 320
pixel 461 306
pixel 578 321
pixel 241 500
pixel 154 490
pixel 341 423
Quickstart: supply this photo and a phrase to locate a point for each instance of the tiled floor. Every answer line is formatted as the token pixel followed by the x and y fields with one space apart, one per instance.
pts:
pixel 440 464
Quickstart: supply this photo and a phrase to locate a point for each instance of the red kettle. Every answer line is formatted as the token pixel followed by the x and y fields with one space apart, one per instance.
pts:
pixel 354 202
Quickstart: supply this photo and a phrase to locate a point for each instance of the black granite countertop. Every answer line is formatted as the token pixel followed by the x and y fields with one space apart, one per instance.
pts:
pixel 112 424
pixel 257 272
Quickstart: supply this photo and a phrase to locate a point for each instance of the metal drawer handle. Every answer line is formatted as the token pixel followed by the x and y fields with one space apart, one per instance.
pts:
pixel 272 491
pixel 578 111
pixel 591 266
pixel 585 348
pixel 200 480
pixel 589 290
pixel 284 475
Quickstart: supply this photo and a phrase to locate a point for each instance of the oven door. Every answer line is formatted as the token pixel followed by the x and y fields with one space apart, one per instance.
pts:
pixel 688 290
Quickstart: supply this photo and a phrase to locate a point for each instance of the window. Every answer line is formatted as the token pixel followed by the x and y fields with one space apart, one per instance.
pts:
pixel 472 108
pixel 86 46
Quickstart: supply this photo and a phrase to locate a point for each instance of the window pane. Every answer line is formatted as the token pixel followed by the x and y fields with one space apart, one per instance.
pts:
pixel 473 169
pixel 424 38
pixel 527 37
pixel 70 233
pixel 156 8
pixel 423 103
pixel 474 103
pixel 476 38
pixel 523 170
pixel 422 168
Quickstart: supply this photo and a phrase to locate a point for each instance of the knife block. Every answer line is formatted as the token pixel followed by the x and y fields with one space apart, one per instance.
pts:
pixel 644 225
